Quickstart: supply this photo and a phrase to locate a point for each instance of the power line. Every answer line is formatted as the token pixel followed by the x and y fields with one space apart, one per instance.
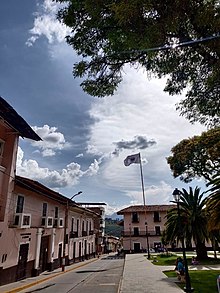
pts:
pixel 173 46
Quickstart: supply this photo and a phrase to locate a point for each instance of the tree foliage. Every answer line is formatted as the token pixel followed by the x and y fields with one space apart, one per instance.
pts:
pixel 213 204
pixel 174 38
pixel 198 156
pixel 192 223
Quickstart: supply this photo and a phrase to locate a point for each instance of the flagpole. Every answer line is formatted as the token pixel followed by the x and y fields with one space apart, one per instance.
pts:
pixel 142 180
pixel 145 208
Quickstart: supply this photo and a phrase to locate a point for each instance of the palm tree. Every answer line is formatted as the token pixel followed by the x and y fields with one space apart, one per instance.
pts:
pixel 213 204
pixel 192 224
pixel 213 209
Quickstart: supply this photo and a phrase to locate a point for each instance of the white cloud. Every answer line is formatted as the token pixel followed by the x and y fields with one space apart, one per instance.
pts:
pixel 139 107
pixel 139 114
pixel 66 177
pixel 93 168
pixel 46 24
pixel 93 150
pixel 52 140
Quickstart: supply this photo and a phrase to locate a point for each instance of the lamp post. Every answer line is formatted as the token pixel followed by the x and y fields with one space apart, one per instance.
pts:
pixel 148 248
pixel 65 228
pixel 75 195
pixel 176 196
pixel 130 236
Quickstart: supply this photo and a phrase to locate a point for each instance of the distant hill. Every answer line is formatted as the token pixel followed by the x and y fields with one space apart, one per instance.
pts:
pixel 113 227
pixel 114 216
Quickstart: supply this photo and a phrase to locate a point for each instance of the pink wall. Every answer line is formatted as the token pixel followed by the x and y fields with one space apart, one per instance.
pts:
pixel 130 239
pixel 8 165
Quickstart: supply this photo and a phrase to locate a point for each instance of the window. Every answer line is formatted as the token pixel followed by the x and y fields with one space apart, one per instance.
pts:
pixel 4 257
pixel 72 224
pixel 56 214
pixel 20 204
pixel 49 221
pixel 26 220
pixel 156 217
pixel 77 226
pixel 135 218
pixel 136 231
pixel 157 230
pixel 44 211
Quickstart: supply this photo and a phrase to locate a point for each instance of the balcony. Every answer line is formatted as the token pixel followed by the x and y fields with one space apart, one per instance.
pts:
pixel 73 234
pixel 91 232
pixel 140 233
pixel 84 233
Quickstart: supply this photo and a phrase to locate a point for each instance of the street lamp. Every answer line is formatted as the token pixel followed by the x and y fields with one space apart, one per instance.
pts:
pixel 148 248
pixel 65 228
pixel 75 195
pixel 176 196
pixel 130 236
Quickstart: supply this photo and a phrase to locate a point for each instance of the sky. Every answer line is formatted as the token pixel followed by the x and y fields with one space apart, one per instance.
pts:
pixel 86 139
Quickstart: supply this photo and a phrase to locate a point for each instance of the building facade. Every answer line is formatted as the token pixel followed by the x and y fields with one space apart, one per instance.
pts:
pixel 12 126
pixel 99 225
pixel 143 227
pixel 43 231
pixel 40 229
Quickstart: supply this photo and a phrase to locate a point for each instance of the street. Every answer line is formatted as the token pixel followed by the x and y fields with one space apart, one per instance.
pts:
pixel 103 275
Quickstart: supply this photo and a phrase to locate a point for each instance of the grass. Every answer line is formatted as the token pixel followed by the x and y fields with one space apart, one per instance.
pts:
pixel 201 281
pixel 168 260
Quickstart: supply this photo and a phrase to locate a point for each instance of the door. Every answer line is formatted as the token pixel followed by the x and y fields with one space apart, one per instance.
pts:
pixel 44 253
pixel 85 249
pixel 80 251
pixel 74 251
pixel 22 261
pixel 137 247
pixel 60 255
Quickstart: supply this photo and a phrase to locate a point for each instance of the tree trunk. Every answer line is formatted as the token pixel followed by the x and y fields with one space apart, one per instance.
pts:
pixel 201 251
pixel 214 245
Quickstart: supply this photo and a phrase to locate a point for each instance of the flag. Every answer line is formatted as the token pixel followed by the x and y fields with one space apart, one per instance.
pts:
pixel 132 159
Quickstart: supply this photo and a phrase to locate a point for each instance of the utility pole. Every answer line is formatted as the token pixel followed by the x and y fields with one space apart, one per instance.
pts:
pixel 65 239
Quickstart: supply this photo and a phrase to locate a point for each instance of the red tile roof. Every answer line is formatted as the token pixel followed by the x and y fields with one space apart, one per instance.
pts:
pixel 149 208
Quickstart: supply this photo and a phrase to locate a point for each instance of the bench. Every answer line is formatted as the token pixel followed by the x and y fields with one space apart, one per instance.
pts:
pixel 181 277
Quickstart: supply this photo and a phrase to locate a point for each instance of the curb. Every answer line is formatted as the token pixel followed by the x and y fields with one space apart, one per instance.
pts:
pixel 18 289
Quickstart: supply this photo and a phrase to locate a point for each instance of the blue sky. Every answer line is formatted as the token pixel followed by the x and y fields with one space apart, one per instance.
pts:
pixel 85 139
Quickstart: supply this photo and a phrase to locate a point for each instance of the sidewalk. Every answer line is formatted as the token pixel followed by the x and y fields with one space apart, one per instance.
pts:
pixel 140 276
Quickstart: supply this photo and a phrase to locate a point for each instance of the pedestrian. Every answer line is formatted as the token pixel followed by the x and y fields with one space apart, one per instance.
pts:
pixel 180 266
pixel 194 261
pixel 180 270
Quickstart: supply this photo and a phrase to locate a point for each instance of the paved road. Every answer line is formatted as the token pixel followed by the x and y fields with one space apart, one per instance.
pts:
pixel 103 276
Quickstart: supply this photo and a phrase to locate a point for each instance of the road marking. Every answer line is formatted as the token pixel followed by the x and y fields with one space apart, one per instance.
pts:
pixel 107 284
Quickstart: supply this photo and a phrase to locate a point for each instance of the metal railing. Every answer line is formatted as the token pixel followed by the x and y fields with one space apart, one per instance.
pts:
pixel 140 233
